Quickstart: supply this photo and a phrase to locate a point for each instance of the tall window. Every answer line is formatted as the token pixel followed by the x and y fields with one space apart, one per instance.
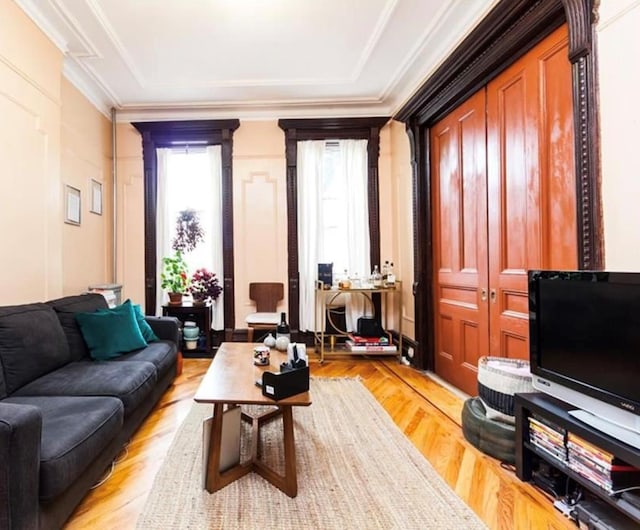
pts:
pixel 333 247
pixel 296 132
pixel 190 179
pixel 333 218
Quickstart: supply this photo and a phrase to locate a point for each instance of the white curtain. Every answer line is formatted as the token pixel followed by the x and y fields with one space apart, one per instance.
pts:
pixel 352 172
pixel 163 224
pixel 214 153
pixel 184 182
pixel 309 168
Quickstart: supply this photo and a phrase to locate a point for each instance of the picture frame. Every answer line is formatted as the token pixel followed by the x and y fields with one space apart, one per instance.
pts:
pixel 96 197
pixel 72 203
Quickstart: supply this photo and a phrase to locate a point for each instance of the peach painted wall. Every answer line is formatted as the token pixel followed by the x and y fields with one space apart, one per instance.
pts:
pixel 402 219
pixel 50 136
pixel 130 216
pixel 260 211
pixel 30 183
pixel 86 157
pixel 619 78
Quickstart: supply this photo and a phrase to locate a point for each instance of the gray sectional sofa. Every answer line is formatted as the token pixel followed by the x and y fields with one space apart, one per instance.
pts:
pixel 64 417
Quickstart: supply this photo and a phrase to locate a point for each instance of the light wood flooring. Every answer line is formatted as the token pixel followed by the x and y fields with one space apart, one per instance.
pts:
pixel 428 414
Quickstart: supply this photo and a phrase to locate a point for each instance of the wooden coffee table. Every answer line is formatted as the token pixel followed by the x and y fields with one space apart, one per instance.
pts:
pixel 231 380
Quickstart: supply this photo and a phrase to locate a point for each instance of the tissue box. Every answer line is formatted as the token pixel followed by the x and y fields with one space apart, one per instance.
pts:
pixel 285 384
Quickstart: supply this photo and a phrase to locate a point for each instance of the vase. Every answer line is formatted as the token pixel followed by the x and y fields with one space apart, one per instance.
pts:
pixel 190 332
pixel 175 298
pixel 198 299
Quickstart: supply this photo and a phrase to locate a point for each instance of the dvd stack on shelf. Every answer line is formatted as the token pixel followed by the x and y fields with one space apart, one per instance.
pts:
pixel 548 437
pixel 599 466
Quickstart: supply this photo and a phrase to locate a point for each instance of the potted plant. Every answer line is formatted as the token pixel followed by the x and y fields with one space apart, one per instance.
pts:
pixel 204 285
pixel 174 277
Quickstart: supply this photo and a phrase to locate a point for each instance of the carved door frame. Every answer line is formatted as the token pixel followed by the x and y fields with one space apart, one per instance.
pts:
pixel 511 29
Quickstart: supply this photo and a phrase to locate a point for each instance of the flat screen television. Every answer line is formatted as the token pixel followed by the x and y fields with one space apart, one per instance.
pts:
pixel 585 345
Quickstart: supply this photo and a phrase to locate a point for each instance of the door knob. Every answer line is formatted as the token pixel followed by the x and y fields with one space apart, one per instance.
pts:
pixel 483 294
pixel 493 296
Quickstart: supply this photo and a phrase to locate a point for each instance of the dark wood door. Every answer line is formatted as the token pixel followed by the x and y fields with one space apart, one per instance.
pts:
pixel 459 182
pixel 503 202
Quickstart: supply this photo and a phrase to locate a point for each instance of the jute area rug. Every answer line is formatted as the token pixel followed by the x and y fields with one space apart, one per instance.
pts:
pixel 356 470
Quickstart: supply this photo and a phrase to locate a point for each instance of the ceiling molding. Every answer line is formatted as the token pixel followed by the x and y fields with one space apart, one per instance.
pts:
pixel 401 45
pixel 76 75
pixel 32 9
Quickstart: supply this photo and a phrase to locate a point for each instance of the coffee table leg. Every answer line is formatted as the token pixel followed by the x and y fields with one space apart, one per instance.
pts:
pixel 289 482
pixel 290 473
pixel 213 464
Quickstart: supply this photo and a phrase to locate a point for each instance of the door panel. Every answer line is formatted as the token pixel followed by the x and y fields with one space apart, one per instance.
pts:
pixel 504 202
pixel 532 220
pixel 557 162
pixel 511 174
pixel 460 223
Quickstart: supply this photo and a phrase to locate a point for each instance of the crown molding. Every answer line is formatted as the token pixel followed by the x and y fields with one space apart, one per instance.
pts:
pixel 33 11
pixel 78 77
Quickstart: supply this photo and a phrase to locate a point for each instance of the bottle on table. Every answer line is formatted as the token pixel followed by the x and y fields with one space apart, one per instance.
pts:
pixel 385 272
pixel 282 330
pixel 376 278
pixel 391 276
pixel 345 281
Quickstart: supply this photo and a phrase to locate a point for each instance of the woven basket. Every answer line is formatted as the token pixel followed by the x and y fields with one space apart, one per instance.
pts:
pixel 499 379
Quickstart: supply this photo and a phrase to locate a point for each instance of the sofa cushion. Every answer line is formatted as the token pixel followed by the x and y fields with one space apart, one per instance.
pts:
pixel 131 382
pixel 66 308
pixel 74 431
pixel 144 326
pixel 32 344
pixel 162 354
pixel 111 332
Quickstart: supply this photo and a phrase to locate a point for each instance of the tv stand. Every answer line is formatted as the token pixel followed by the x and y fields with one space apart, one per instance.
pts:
pixel 558 412
pixel 611 429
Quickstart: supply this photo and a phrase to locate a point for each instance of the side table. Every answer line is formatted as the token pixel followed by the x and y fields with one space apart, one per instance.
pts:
pixel 200 314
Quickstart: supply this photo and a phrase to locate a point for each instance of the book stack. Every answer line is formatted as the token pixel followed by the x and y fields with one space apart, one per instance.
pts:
pixel 548 437
pixel 599 466
pixel 358 343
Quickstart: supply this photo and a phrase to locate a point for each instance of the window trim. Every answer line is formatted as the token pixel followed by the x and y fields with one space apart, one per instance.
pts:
pixel 296 130
pixel 175 134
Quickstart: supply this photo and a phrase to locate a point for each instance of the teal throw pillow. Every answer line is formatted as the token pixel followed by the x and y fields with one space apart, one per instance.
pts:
pixel 112 332
pixel 144 326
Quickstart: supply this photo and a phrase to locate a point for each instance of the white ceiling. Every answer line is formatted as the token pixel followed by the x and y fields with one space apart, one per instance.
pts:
pixel 170 59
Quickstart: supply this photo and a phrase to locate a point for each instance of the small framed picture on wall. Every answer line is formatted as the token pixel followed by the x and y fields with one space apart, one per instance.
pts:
pixel 71 205
pixel 96 197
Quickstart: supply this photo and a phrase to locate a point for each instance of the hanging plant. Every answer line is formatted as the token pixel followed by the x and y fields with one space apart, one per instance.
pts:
pixel 189 231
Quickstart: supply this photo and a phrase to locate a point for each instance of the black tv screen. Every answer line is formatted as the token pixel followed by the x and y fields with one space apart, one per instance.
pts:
pixel 585 332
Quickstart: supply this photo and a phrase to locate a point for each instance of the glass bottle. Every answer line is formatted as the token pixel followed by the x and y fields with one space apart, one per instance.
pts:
pixel 376 278
pixel 345 282
pixel 391 276
pixel 283 328
pixel 385 272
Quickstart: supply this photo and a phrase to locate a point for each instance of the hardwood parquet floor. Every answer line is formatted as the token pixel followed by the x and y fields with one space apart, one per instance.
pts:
pixel 428 413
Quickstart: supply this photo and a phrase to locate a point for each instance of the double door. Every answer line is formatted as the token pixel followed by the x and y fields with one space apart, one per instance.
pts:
pixel 502 172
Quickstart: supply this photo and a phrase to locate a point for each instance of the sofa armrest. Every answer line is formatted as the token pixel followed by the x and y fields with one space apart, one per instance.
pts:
pixel 20 431
pixel 166 328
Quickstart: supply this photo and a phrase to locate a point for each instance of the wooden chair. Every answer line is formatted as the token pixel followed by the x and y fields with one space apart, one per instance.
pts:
pixel 266 295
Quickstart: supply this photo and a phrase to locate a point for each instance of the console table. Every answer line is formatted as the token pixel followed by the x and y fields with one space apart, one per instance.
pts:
pixel 325 298
pixel 200 314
